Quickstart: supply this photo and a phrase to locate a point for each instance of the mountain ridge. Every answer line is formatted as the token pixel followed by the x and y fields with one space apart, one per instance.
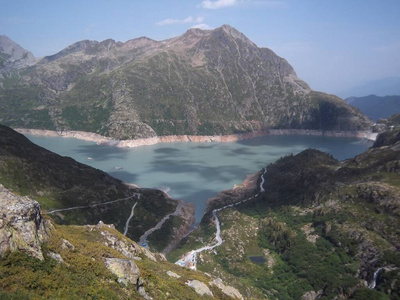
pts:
pixel 376 107
pixel 204 82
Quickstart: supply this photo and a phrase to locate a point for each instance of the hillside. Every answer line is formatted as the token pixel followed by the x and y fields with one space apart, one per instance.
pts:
pixel 204 82
pixel 43 260
pixel 80 195
pixel 376 107
pixel 323 229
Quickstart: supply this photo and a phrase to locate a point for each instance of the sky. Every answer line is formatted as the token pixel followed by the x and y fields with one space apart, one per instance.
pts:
pixel 333 45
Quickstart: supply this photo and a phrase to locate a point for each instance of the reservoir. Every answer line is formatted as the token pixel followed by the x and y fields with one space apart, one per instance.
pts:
pixel 191 171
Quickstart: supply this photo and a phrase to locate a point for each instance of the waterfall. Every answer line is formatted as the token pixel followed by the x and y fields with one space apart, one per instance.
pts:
pixel 373 283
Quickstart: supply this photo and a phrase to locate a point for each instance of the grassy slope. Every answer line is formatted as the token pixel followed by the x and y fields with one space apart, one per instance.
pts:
pixel 83 274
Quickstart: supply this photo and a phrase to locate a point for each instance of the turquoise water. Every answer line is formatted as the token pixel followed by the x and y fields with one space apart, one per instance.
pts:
pixel 195 171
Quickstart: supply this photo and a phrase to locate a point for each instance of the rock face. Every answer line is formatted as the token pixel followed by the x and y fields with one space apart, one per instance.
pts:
pixel 204 82
pixel 21 225
pixel 13 56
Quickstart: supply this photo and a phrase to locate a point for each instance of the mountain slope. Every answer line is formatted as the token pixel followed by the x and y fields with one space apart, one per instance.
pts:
pixel 202 82
pixel 40 260
pixel 376 107
pixel 60 183
pixel 322 229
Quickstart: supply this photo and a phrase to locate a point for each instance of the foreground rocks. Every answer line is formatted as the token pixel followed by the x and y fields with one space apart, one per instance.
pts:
pixel 22 227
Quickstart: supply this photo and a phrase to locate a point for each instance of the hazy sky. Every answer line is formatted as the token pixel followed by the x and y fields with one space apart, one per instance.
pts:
pixel 333 45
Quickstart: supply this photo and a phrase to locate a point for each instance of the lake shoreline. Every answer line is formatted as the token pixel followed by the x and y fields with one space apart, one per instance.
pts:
pixel 108 141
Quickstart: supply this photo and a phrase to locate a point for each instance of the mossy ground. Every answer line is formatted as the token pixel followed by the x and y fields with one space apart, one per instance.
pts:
pixel 83 275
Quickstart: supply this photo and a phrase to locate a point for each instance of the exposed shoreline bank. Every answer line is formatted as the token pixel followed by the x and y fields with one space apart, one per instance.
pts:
pixel 102 140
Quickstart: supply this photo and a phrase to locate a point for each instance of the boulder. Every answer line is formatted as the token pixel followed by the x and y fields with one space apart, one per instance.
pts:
pixel 21 225
pixel 173 274
pixel 227 290
pixel 56 257
pixel 127 272
pixel 125 269
pixel 200 287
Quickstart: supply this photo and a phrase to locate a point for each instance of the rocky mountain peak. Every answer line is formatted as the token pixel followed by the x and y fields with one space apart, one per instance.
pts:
pixel 227 34
pixel 13 55
pixel 76 47
pixel 234 33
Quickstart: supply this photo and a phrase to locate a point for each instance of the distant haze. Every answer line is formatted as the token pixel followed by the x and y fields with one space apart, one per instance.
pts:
pixel 376 107
pixel 383 87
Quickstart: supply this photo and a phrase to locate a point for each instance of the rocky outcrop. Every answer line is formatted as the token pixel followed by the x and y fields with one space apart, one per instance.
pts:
pixel 311 295
pixel 13 56
pixel 56 256
pixel 173 274
pixel 127 272
pixel 227 290
pixel 200 287
pixel 22 227
pixel 126 247
pixel 125 269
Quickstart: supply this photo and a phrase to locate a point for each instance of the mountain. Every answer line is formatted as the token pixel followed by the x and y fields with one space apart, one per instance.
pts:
pixel 204 82
pixel 13 56
pixel 381 87
pixel 323 229
pixel 376 107
pixel 73 193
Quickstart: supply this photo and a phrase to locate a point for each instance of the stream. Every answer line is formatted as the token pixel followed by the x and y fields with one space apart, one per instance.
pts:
pixel 189 260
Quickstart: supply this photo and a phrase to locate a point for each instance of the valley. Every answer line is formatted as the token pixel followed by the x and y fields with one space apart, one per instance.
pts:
pixel 169 169
pixel 322 229
pixel 196 171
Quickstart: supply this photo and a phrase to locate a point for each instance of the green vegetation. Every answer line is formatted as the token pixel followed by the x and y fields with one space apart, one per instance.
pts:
pixel 89 105
pixel 322 226
pixel 160 238
pixel 83 274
